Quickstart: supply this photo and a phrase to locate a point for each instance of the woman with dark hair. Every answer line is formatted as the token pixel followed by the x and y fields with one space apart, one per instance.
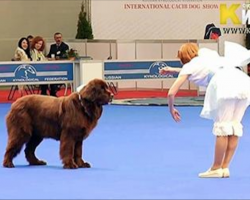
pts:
pixel 22 52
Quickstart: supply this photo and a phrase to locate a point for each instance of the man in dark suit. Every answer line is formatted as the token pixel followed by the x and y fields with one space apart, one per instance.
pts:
pixel 58 49
pixel 57 52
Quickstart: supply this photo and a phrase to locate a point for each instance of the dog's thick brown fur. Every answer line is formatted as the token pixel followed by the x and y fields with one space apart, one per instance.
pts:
pixel 68 119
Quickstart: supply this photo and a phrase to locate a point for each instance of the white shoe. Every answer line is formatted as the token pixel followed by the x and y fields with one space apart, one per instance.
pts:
pixel 226 173
pixel 218 173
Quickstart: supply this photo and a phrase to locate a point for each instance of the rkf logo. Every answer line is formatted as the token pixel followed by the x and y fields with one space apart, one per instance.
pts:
pixel 227 13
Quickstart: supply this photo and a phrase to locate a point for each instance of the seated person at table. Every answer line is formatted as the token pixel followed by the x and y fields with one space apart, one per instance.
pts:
pixel 30 39
pixel 37 47
pixel 57 51
pixel 22 53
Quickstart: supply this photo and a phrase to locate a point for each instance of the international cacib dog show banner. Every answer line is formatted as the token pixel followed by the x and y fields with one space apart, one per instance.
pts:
pixel 16 73
pixel 168 19
pixel 135 70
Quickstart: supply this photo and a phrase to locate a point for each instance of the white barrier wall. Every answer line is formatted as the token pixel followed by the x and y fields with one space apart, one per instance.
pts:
pixel 90 70
pixel 145 50
pixel 148 50
pixel 126 50
pixel 133 49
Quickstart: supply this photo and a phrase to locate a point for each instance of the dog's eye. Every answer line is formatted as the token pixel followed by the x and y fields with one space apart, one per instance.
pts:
pixel 103 87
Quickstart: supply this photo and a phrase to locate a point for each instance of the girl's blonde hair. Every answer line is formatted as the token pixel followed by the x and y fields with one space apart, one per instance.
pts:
pixel 187 52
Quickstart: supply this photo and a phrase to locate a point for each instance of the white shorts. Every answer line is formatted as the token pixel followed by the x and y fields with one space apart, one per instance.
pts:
pixel 228 117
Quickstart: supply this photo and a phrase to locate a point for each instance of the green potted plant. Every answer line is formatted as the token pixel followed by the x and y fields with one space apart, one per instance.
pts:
pixel 84 28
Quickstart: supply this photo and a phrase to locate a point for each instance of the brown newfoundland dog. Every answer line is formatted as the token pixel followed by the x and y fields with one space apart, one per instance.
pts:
pixel 68 119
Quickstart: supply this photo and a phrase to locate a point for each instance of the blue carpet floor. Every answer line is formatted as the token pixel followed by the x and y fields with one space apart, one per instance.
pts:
pixel 137 152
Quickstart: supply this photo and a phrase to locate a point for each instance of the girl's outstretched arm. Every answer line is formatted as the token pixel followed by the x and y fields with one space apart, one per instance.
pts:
pixel 169 70
pixel 171 96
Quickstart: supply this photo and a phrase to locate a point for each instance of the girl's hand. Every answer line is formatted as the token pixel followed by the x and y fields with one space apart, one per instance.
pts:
pixel 175 114
pixel 167 70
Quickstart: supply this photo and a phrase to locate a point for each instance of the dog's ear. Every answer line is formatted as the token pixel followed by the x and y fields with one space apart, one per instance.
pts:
pixel 87 110
pixel 89 92
pixel 97 92
pixel 88 107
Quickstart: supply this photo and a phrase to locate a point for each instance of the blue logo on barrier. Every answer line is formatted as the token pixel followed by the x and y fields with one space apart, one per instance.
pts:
pixel 156 66
pixel 25 71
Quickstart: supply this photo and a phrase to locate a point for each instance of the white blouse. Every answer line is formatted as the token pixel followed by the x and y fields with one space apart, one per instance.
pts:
pixel 203 67
pixel 20 55
pixel 37 55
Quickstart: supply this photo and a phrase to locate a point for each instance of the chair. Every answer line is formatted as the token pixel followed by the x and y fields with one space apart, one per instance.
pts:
pixel 66 87
pixel 14 88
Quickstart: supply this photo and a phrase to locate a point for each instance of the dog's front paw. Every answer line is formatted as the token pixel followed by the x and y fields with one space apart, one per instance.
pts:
pixel 87 165
pixel 71 165
pixel 38 162
pixel 41 162
pixel 8 164
pixel 82 164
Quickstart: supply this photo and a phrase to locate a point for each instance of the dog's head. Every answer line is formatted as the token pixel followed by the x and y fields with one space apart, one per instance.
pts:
pixel 97 91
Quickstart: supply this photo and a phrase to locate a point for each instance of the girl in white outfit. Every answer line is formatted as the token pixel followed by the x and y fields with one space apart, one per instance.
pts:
pixel 227 96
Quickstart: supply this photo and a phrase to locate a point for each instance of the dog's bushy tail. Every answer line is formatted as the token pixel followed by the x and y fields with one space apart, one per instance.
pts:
pixel 18 119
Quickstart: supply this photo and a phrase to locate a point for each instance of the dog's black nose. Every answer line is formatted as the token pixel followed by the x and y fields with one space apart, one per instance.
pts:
pixel 111 97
